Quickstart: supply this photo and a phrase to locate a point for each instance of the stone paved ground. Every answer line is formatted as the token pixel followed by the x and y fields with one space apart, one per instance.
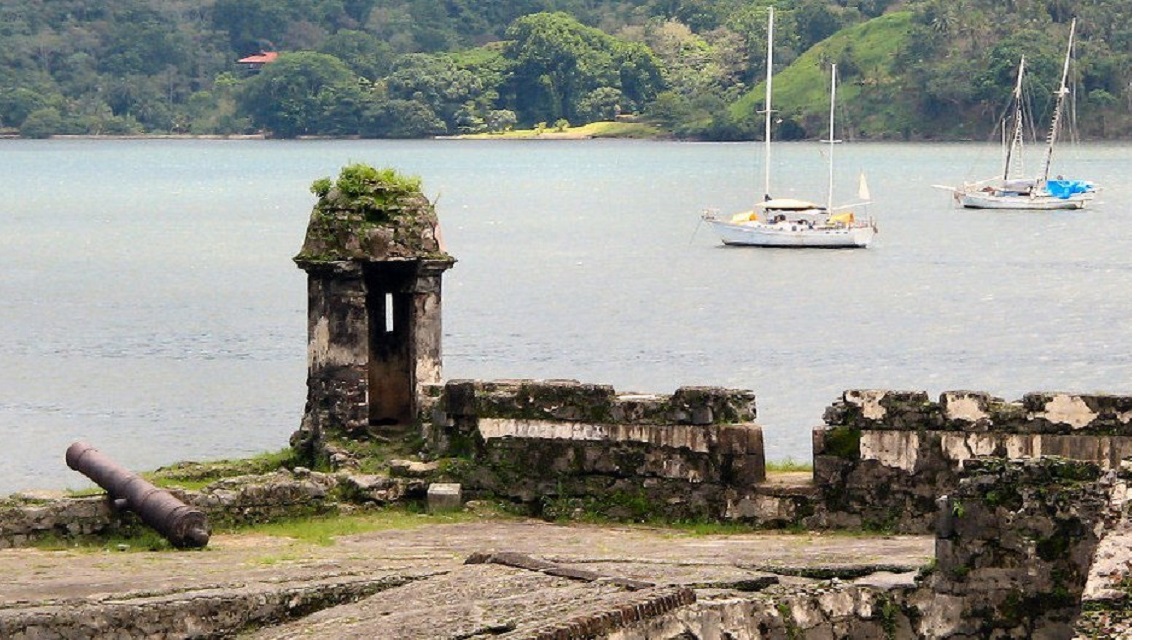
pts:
pixel 415 583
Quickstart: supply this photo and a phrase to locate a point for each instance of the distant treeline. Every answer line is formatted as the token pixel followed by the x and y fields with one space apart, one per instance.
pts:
pixel 914 69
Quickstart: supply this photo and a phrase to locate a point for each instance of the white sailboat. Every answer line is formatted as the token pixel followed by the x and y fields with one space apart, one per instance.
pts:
pixel 1035 193
pixel 787 222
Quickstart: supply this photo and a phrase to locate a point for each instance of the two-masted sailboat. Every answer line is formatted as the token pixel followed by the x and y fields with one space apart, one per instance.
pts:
pixel 1040 192
pixel 788 222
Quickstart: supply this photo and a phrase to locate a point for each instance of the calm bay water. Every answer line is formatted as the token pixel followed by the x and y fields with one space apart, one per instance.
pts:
pixel 151 305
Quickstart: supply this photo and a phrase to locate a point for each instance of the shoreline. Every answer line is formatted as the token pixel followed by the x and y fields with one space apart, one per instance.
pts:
pixel 548 136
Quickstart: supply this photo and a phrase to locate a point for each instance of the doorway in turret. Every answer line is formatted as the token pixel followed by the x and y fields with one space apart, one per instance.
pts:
pixel 391 379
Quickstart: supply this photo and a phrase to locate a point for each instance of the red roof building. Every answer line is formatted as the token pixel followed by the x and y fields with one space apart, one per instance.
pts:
pixel 254 63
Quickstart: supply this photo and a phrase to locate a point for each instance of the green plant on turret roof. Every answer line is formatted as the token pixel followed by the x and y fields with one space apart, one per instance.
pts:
pixel 377 194
pixel 367 213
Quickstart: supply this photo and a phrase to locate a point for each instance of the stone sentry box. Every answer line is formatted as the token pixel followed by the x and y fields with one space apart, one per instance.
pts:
pixel 374 261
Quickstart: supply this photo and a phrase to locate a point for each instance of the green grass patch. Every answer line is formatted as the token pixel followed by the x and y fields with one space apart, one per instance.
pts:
pixel 143 540
pixel 194 476
pixel 608 129
pixel 618 130
pixel 868 80
pixel 317 530
pixel 712 528
pixel 864 54
pixel 376 456
pixel 787 465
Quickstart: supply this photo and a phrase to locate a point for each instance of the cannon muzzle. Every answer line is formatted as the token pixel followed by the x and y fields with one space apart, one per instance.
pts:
pixel 181 524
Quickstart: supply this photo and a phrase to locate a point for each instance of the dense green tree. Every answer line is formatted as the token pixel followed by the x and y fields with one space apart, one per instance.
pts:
pixel 88 115
pixel 79 75
pixel 603 103
pixel 392 25
pixel 367 56
pixel 693 65
pixel 500 120
pixel 554 61
pixel 432 28
pixel 142 42
pixel 342 114
pixel 215 111
pixel 41 123
pixel 359 10
pixel 703 76
pixel 251 25
pixel 437 81
pixel 295 95
pixel 700 15
pixel 17 103
pixel 640 75
pixel 116 126
pixel 385 118
pixel 815 20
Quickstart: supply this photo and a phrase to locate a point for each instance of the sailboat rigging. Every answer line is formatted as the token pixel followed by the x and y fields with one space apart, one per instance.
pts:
pixel 787 222
pixel 1039 192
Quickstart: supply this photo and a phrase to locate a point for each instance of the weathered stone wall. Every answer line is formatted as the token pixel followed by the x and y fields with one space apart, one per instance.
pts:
pixel 1027 545
pixel 1107 599
pixel 833 609
pixel 337 396
pixel 884 457
pixel 228 502
pixel 565 446
pixel 881 460
pixel 427 322
pixel 1015 541
pixel 1019 554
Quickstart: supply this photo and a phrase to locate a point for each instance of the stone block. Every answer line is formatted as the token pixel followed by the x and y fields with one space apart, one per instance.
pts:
pixel 1080 413
pixel 443 496
pixel 967 410
pixel 714 405
pixel 459 398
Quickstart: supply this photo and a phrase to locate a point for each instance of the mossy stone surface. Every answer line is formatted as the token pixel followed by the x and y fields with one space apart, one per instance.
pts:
pixel 369 215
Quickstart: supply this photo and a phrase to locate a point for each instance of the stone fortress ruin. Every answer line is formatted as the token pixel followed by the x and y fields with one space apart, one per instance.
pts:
pixel 1028 501
pixel 896 461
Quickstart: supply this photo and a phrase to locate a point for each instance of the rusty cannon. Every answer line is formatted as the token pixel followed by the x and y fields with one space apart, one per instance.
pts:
pixel 182 525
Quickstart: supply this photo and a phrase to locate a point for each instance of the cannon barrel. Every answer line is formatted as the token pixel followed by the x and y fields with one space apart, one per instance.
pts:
pixel 181 524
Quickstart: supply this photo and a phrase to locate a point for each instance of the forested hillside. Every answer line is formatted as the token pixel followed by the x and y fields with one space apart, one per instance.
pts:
pixel 914 69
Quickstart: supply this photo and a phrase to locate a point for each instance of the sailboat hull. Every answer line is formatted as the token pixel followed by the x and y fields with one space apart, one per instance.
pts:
pixel 759 234
pixel 981 200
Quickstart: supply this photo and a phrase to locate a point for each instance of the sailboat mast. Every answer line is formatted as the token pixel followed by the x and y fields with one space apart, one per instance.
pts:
pixel 1056 123
pixel 1016 138
pixel 768 105
pixel 832 129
